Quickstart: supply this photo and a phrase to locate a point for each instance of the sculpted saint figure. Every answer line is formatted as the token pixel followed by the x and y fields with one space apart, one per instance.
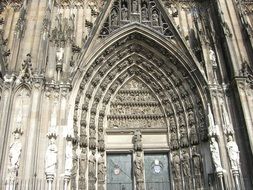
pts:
pixel 155 18
pixel 114 18
pixel 137 140
pixel 214 147
pixel 135 6
pixel 101 168
pixel 68 158
pixel 212 57
pixel 92 165
pixel 14 154
pixel 138 167
pixel 233 153
pixel 51 157
pixel 144 12
pixel 176 166
pixel 124 12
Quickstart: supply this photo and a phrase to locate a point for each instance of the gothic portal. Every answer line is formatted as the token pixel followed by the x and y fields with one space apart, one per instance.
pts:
pixel 126 94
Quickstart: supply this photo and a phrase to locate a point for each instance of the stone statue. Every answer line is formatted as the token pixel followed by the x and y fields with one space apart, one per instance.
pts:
pixel 212 57
pixel 155 18
pixel 186 164
pixel 134 6
pixel 174 141
pixel 59 56
pixel 193 135
pixel 68 158
pixel 172 123
pixel 92 165
pixel 92 139
pixel 214 147
pixel 137 139
pixel 233 153
pixel 176 166
pixel 114 18
pixel 26 68
pixel 82 162
pixel 101 168
pixel 138 170
pixel 197 167
pixel 144 12
pixel 212 128
pixel 14 155
pixel 124 12
pixel 51 157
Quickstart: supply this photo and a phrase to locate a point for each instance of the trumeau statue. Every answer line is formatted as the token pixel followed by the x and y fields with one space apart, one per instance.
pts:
pixel 51 157
pixel 233 153
pixel 214 147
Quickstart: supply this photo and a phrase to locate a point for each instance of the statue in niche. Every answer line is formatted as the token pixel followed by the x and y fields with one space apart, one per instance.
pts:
pixel 214 147
pixel 191 119
pixel 92 166
pixel 137 139
pixel 101 168
pixel 134 6
pixel 124 12
pixel 212 57
pixel 197 167
pixel 14 155
pixel 51 157
pixel 114 18
pixel 68 158
pixel 155 18
pixel 92 139
pixel 59 56
pixel 172 123
pixel 193 135
pixel 233 153
pixel 144 12
pixel 174 141
pixel 183 138
pixel 26 68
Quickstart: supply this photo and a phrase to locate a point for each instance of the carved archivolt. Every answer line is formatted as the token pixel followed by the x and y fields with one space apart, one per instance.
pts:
pixel 132 85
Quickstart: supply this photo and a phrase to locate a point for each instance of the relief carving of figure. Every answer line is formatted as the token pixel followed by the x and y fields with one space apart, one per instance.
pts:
pixel 172 123
pixel 186 164
pixel 101 168
pixel 144 12
pixel 138 167
pixel 137 139
pixel 82 162
pixel 176 166
pixel 114 18
pixel 51 157
pixel 14 155
pixel 233 153
pixel 155 18
pixel 92 166
pixel 193 135
pixel 174 141
pixel 214 147
pixel 124 12
pixel 197 167
pixel 176 171
pixel 212 57
pixel 134 6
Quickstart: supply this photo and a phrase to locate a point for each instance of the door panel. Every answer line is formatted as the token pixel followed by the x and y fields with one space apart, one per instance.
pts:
pixel 156 172
pixel 119 172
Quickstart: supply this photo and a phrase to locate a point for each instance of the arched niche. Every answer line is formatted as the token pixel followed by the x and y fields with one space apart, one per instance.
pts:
pixel 167 94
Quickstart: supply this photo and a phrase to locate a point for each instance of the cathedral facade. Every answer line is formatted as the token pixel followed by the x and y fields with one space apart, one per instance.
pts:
pixel 126 94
